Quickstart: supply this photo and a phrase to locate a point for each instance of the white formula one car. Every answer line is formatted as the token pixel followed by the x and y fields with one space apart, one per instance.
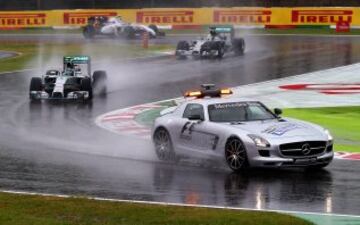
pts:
pixel 243 132
pixel 116 27
pixel 74 82
pixel 220 41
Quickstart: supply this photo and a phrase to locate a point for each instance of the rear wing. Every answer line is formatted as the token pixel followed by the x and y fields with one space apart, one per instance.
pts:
pixel 77 59
pixel 224 30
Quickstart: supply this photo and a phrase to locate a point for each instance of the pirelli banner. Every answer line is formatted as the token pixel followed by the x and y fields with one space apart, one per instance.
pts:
pixel 186 16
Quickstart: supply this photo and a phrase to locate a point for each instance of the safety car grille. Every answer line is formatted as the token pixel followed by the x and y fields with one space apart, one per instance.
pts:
pixel 303 149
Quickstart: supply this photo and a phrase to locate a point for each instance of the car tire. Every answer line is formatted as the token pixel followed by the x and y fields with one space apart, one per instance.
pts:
pixel 182 46
pixel 35 85
pixel 85 85
pixel 129 32
pixel 220 48
pixel 235 155
pixel 163 145
pixel 89 32
pixel 99 82
pixel 238 46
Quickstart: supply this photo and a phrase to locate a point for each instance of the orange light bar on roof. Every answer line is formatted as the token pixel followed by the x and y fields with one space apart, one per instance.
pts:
pixel 226 91
pixel 193 94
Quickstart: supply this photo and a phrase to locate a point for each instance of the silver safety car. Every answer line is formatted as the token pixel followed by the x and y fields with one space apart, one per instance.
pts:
pixel 243 132
pixel 74 81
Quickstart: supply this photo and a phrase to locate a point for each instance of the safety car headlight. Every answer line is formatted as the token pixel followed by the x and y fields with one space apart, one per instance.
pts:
pixel 329 136
pixel 259 141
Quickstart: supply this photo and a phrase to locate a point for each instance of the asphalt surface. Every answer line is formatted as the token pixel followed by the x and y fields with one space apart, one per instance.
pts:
pixel 55 147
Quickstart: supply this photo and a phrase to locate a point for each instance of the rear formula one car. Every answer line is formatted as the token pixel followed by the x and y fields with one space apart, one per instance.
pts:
pixel 73 82
pixel 116 27
pixel 220 41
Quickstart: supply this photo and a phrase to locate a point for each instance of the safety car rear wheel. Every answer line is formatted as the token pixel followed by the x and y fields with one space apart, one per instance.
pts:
pixel 235 155
pixel 163 145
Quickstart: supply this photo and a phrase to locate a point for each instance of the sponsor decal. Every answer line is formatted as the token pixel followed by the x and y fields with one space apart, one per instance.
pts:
pixel 282 129
pixel 325 88
pixel 327 16
pixel 22 19
pixel 165 17
pixel 242 16
pixel 80 18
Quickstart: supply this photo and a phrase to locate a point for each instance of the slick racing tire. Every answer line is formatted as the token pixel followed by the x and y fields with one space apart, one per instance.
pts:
pixel 89 32
pixel 163 145
pixel 99 82
pixel 35 85
pixel 235 155
pixel 238 46
pixel 85 85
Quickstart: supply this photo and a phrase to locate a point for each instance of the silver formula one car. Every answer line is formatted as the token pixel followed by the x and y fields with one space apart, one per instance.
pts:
pixel 244 132
pixel 116 27
pixel 220 41
pixel 73 82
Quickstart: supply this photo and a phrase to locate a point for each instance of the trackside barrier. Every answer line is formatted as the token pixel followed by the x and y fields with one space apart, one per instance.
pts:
pixel 189 17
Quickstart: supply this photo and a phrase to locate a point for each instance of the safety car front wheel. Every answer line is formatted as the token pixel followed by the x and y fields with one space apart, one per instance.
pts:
pixel 235 155
pixel 163 145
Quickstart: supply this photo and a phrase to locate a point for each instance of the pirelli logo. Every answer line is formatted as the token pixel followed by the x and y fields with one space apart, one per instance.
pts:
pixel 22 19
pixel 80 18
pixel 321 16
pixel 242 16
pixel 165 17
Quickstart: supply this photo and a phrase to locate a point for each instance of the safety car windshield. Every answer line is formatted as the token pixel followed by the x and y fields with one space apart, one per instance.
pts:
pixel 239 112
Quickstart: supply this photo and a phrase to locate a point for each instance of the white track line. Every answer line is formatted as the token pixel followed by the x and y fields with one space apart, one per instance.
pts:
pixel 176 204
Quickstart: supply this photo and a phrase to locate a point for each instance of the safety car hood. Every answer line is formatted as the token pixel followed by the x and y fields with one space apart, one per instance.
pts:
pixel 281 129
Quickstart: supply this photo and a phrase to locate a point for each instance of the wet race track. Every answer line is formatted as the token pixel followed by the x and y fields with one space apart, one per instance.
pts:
pixel 57 148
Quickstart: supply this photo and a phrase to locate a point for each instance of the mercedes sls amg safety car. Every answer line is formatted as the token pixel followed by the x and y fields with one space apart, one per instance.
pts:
pixel 221 40
pixel 243 132
pixel 116 27
pixel 73 82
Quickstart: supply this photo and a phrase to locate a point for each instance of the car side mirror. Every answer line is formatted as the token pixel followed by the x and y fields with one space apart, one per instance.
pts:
pixel 277 111
pixel 195 117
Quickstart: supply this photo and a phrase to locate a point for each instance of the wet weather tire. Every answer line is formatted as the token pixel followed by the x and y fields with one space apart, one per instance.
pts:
pixel 89 32
pixel 85 85
pixel 163 145
pixel 99 82
pixel 235 155
pixel 35 85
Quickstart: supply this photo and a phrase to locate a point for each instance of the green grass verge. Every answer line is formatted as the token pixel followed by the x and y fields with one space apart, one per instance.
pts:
pixel 35 54
pixel 23 209
pixel 343 123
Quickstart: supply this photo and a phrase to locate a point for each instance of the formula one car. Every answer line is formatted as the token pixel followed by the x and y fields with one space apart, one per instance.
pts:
pixel 116 27
pixel 220 41
pixel 73 82
pixel 244 132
